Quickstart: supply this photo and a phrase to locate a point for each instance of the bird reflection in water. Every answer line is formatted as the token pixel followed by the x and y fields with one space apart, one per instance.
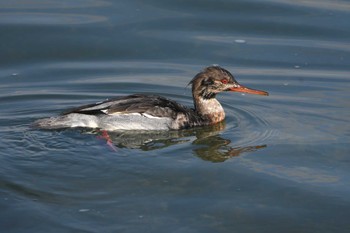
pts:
pixel 207 141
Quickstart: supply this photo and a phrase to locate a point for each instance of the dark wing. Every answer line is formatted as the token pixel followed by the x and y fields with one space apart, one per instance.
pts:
pixel 150 104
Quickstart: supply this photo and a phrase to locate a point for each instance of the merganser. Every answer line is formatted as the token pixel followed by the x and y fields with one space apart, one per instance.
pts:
pixel 153 112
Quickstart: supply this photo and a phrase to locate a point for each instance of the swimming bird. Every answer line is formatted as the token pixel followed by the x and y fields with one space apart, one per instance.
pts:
pixel 153 112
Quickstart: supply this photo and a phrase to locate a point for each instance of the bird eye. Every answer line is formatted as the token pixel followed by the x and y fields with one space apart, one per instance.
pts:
pixel 224 81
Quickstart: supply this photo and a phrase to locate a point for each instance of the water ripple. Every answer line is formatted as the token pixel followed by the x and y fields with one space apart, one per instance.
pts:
pixel 321 4
pixel 292 42
pixel 48 18
pixel 50 4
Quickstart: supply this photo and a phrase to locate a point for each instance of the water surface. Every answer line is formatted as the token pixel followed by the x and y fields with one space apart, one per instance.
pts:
pixel 277 164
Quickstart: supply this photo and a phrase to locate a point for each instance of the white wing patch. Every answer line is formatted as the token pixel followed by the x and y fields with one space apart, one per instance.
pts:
pixel 130 114
pixel 149 116
pixel 121 113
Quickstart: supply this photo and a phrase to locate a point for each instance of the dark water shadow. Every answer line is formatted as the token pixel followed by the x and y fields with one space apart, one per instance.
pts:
pixel 208 144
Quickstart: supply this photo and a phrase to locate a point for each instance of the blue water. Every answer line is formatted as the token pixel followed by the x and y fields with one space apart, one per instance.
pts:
pixel 277 164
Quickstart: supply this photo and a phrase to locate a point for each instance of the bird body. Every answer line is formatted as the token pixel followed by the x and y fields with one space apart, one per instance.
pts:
pixel 153 112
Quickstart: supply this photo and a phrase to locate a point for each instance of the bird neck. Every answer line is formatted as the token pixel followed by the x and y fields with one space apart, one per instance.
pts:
pixel 209 109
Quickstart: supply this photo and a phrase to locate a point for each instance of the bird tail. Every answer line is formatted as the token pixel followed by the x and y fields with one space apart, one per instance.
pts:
pixel 57 122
